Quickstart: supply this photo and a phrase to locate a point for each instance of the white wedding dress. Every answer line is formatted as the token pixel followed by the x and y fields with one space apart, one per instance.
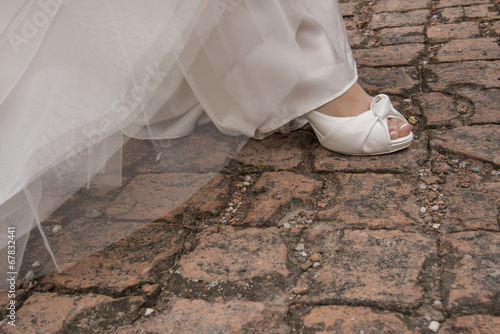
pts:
pixel 79 76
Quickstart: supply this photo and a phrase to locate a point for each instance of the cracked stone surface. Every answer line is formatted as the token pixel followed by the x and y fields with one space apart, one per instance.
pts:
pixel 335 319
pixel 284 236
pixel 381 201
pixel 480 143
pixel 367 267
pixel 260 252
pixel 57 313
pixel 472 272
pixel 198 316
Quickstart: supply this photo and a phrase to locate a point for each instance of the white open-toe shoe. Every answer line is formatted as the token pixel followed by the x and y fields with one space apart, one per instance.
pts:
pixel 365 134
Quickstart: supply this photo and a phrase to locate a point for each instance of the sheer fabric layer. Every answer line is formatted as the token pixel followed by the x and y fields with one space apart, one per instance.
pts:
pixel 78 74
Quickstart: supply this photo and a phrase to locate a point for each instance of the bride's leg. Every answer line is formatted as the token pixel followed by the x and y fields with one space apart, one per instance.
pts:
pixel 356 101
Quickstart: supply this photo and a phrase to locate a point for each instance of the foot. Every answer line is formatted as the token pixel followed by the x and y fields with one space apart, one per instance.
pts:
pixel 356 101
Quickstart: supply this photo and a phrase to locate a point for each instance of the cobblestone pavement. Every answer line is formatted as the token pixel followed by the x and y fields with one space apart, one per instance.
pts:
pixel 292 238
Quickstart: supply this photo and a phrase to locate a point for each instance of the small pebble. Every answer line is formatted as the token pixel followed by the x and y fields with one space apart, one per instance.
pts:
pixel 436 226
pixel 435 208
pixel 29 276
pixel 476 170
pixel 300 290
pixel 246 184
pixel 316 264
pixel 423 186
pixel 300 247
pixel 148 312
pixel 36 264
pixel 423 209
pixel 95 214
pixel 315 257
pixel 434 326
pixel 287 226
pixel 56 228
pixel 302 259
pixel 307 265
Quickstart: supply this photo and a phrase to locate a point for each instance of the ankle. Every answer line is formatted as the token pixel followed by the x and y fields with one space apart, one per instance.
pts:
pixel 352 103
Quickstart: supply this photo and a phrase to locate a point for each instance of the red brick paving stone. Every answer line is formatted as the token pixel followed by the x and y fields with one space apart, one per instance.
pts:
pixel 137 151
pixel 85 230
pixel 372 201
pixel 276 191
pixel 127 263
pixel 472 324
pixel 471 277
pixel 399 6
pixel 55 313
pixel 469 72
pixel 452 14
pixel 486 104
pixel 388 80
pixel 371 267
pixel 439 109
pixel 401 35
pixel 206 150
pixel 82 238
pixel 445 32
pixel 356 38
pixel 151 196
pixel 206 202
pixel 386 20
pixel 408 160
pixel 198 316
pixel 349 8
pixel 211 196
pixel 5 302
pixel 496 27
pixel 390 55
pixel 342 319
pixel 232 255
pixel 451 3
pixel 485 12
pixel 469 49
pixel 287 150
pixel 469 210
pixel 477 142
pixel 487 184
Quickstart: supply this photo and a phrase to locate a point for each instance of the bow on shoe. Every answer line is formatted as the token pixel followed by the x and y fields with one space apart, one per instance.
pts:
pixel 382 106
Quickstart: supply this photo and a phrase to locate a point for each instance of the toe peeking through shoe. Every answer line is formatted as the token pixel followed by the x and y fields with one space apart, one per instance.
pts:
pixel 365 134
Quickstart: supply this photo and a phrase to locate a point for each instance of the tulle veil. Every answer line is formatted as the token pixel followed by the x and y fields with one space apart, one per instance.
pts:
pixel 80 77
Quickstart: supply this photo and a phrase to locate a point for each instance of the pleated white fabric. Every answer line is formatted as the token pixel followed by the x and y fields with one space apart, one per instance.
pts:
pixel 76 75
